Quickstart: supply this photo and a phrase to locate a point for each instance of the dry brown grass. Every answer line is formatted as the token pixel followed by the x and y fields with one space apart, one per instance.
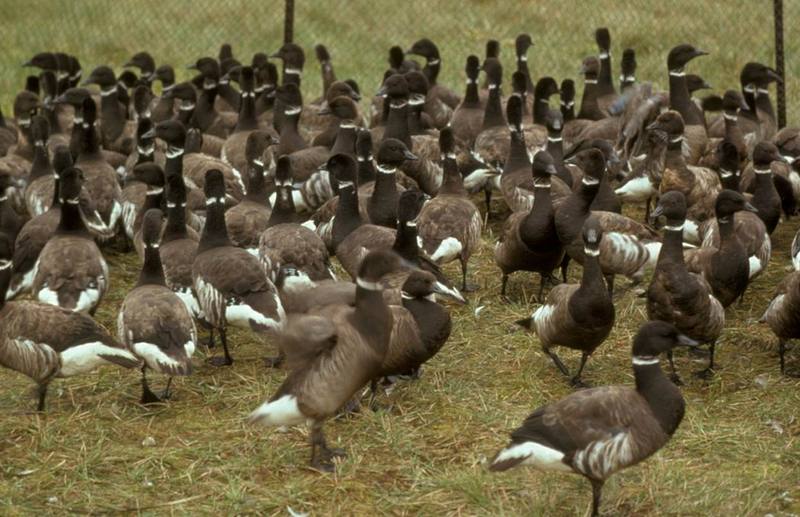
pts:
pixel 96 450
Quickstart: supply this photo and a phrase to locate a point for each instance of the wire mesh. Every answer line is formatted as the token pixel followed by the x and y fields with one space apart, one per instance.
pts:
pixel 358 34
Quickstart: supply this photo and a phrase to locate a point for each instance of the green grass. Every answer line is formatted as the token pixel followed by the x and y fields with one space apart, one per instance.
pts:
pixel 97 451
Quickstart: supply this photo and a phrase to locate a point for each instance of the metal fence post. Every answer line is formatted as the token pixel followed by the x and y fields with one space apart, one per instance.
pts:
pixel 288 22
pixel 779 65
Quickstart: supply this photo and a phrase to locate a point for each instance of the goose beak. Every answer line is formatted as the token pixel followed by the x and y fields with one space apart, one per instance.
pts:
pixel 381 92
pixel 408 155
pixel 656 213
pixel 551 170
pixel 449 292
pixel 192 67
pixel 698 52
pixel 150 133
pixel 684 340
pixel 773 75
pixel 572 160
pixel 706 86
pixel 129 64
pixel 750 208
pixel 325 109
pixel 28 63
pixel 355 96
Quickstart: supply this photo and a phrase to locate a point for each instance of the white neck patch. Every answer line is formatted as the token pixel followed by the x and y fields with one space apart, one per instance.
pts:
pixel 434 61
pixel 369 286
pixel 214 200
pixel 725 173
pixel 386 170
pixel 728 116
pixel 110 91
pixel 156 191
pixel 347 125
pixel 5 264
pixel 762 171
pixel 174 152
pixel 292 71
pixel 522 58
pixel 627 78
pixel 186 106
pixel 677 73
pixel 677 139
pixel 678 228
pixel 590 181
pixel 590 252
pixel 398 105
pixel 645 360
pixel 590 81
pixel 554 139
pixel 345 184
pixel 292 110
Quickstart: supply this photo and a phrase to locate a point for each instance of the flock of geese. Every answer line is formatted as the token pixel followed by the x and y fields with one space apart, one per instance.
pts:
pixel 235 194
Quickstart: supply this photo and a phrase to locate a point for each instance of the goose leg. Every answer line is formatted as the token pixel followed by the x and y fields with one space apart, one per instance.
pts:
pixel 556 361
pixel 564 268
pixel 148 397
pixel 674 377
pixel 576 381
pixel 41 390
pixel 321 455
pixel 610 284
pixel 487 194
pixel 597 489
pixel 167 394
pixel 467 288
pixel 226 359
pixel 503 285
pixel 708 372
pixel 275 361
pixel 783 349
pixel 542 279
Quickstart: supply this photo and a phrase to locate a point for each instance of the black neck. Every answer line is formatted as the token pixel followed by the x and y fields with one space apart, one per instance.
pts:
pixel 764 104
pixel 589 108
pixel 662 396
pixel 345 141
pixel 604 82
pixel 555 146
pixel 91 144
pixel 726 229
pixel 256 187
pixel 493 114
pixel 41 163
pixel 347 216
pixel 152 271
pixel 71 222
pixel 431 70
pixel 204 112
pixel 173 163
pixel 176 221
pixel 290 139
pixel 247 112
pixel 522 67
pixel 517 153
pixel 231 96
pixel 113 114
pixel 750 99
pixel 672 247
pixel 397 124
pixel 5 281
pixel 541 107
pixel 372 317
pixel 366 170
pixel 452 183
pixel 415 120
pixel 471 98
pixel 405 242
pixel 215 233
pixel 679 98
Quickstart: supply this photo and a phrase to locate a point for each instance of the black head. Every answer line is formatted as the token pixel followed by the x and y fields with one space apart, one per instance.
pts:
pixel 342 167
pixel 40 130
pixel 289 94
pixel 49 83
pixel 543 165
pixel 70 186
pixel 657 337
pixel 259 61
pixel 341 89
pixel 522 43
pixel 672 205
pixel 225 51
pixel 292 55
pixel 143 61
pixel 494 71
pixel 733 100
pixel 473 67
pixel 682 54
pixel 102 76
pixel 603 39
pixel 492 49
pixel 172 132
pixel 409 204
pixel 547 86
pixel 420 284
pixel 142 96
pixel 62 159
pixel 214 187
pixel 764 154
pixel 208 67
pixel 6 181
pixel 128 78
pixel 25 104
pixel 729 202
pixel 257 142
pixel 393 153
pixel 554 121
pixel 323 56
pixel 343 108
pixel 353 84
pixel 194 140
pixel 89 111
pixel 43 60
pixel 590 67
pixel 696 83
pixel 417 83
pixel 670 122
pixel 245 76
pixel 150 173
pixel 425 48
pixel 519 83
pixel 395 87
pixel 32 84
pixel 592 234
pixel 396 57
pixel 283 171
pixel 447 141
pixel 165 74
pixel 364 143
pixel 567 90
pixel 628 63
pixel 593 164
pixel 514 112
pixel 184 92
pixel 377 264
pixel 151 226
pixel 227 65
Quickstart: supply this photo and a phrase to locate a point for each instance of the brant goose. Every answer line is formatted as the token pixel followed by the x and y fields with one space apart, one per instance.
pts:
pixel 152 322
pixel 70 271
pixel 468 116
pixel 231 285
pixel 696 138
pixel 331 354
pixel 529 241
pixel 782 315
pixel 450 224
pixel 44 342
pixel 577 316
pixel 599 431
pixel 677 296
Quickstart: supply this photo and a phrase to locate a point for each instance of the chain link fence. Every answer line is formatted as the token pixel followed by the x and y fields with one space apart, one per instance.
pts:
pixel 358 34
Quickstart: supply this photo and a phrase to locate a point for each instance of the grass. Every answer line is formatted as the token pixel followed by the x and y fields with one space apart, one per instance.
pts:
pixel 97 451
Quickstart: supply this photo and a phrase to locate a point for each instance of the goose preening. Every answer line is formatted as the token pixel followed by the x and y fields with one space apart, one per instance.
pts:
pixel 599 431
